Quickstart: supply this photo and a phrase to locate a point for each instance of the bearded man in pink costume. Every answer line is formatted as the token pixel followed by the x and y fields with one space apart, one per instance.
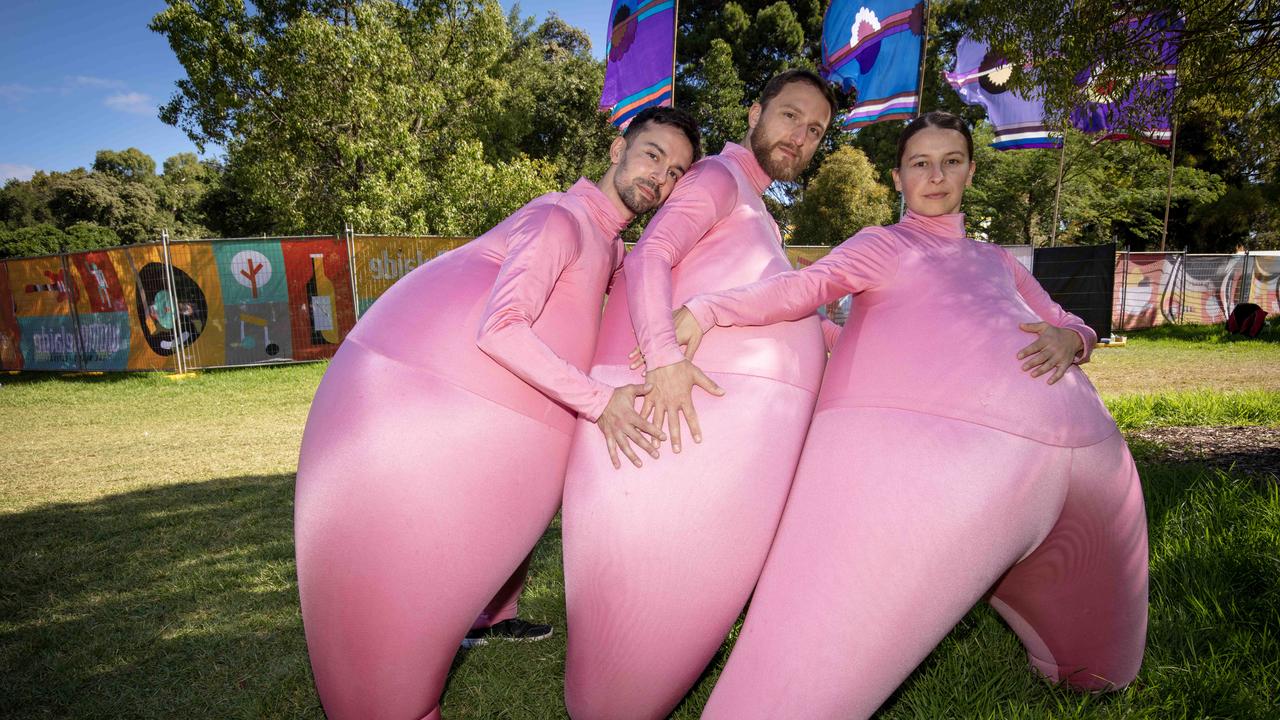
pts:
pixel 938 470
pixel 659 561
pixel 435 450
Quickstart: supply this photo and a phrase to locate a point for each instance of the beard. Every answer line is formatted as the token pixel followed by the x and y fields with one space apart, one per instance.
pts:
pixel 785 170
pixel 630 193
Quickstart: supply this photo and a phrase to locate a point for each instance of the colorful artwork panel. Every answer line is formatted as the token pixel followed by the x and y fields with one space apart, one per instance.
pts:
pixel 322 309
pixel 10 332
pixel 380 261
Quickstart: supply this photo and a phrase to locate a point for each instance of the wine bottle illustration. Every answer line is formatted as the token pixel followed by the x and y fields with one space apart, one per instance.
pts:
pixel 324 301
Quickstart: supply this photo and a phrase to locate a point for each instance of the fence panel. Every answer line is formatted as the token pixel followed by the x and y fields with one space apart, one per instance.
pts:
pixel 1213 286
pixel 1146 285
pixel 1265 287
pixel 1081 279
pixel 216 303
pixel 381 260
pixel 41 292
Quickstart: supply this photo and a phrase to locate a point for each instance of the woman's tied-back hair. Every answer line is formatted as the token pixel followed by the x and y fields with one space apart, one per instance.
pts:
pixel 936 119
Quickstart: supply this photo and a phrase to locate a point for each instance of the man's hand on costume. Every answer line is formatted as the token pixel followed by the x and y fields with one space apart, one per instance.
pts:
pixel 622 425
pixel 672 396
pixel 688 335
pixel 1054 351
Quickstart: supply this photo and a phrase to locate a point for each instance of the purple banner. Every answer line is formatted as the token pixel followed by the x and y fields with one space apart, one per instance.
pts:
pixel 639 60
pixel 981 78
pixel 1116 108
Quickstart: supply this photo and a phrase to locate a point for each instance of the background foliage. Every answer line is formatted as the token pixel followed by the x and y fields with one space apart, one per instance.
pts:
pixel 443 116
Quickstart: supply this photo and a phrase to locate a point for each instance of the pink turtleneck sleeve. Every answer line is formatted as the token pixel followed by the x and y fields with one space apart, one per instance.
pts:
pixel 542 244
pixel 705 196
pixel 935 313
pixel 514 315
pixel 862 262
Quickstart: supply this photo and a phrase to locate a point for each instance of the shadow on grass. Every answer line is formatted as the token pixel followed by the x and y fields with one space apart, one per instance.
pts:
pixel 173 601
pixel 182 601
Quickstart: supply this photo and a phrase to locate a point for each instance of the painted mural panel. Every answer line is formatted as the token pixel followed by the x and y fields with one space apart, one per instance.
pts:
pixel 256 301
pixel 151 338
pixel 103 310
pixel 380 261
pixel 1265 290
pixel 198 290
pixel 10 334
pixel 42 305
pixel 322 309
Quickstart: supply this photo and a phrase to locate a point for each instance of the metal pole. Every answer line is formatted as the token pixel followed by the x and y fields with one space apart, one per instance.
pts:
pixel 1057 193
pixel 74 311
pixel 349 236
pixel 1168 196
pixel 1124 290
pixel 924 53
pixel 180 360
pixel 675 39
pixel 1182 299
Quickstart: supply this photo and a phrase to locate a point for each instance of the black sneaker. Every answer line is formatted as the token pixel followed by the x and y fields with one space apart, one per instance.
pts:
pixel 513 630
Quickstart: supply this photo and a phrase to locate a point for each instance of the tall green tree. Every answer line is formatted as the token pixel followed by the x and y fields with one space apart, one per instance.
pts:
pixel 844 197
pixel 351 111
pixel 1111 192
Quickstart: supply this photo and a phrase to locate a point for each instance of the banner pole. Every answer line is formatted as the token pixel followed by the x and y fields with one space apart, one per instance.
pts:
pixel 675 39
pixel 924 54
pixel 1124 291
pixel 1168 196
pixel 1057 193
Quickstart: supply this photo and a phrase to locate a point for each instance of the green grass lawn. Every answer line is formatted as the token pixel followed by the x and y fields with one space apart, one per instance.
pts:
pixel 146 567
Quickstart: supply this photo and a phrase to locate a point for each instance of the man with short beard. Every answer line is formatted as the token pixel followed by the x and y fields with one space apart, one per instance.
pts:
pixel 434 454
pixel 659 561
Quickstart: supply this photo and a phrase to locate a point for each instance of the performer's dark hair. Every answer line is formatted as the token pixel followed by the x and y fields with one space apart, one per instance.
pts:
pixel 938 119
pixel 674 117
pixel 785 78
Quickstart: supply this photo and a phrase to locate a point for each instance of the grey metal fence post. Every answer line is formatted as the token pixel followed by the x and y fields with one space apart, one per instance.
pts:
pixel 1245 289
pixel 349 234
pixel 1124 290
pixel 171 287
pixel 74 311
pixel 1182 298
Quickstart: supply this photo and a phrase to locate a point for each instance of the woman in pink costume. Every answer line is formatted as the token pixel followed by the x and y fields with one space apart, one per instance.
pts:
pixel 659 561
pixel 434 454
pixel 936 471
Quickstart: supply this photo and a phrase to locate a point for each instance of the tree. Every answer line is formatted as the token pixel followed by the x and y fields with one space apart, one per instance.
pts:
pixel 1228 50
pixel 130 164
pixel 336 111
pixel 551 101
pixel 1111 192
pixel 42 239
pixel 87 236
pixel 844 197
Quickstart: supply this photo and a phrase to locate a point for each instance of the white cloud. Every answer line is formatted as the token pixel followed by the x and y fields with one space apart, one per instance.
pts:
pixel 11 170
pixel 90 81
pixel 131 102
pixel 13 92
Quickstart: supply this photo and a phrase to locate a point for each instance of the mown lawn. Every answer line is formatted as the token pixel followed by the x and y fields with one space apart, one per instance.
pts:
pixel 146 567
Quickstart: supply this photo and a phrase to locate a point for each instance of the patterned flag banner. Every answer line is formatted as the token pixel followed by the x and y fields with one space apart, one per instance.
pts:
pixel 981 78
pixel 639 58
pixel 874 46
pixel 1116 107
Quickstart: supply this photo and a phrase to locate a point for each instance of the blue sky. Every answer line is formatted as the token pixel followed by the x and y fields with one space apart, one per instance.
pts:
pixel 78 76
